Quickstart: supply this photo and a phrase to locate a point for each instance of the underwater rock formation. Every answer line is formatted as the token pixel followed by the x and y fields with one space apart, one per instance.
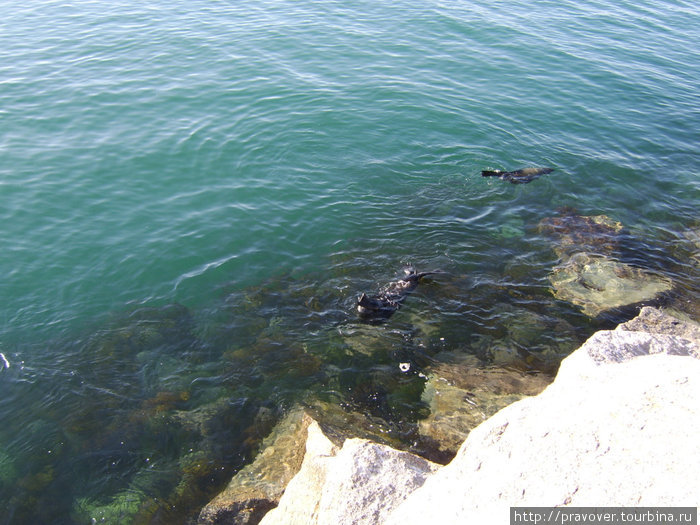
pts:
pixel 588 275
pixel 572 233
pixel 585 440
pixel 692 235
pixel 257 488
pixel 599 284
pixel 462 397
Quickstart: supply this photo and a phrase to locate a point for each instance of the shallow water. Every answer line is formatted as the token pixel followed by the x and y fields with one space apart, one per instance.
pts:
pixel 193 195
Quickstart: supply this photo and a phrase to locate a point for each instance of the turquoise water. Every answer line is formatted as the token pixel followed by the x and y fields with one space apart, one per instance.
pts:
pixel 194 193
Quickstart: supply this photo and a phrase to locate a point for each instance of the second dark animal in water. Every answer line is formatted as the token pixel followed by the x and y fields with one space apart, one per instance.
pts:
pixel 388 300
pixel 518 176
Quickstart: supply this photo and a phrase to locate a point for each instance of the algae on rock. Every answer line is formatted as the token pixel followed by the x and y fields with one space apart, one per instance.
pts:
pixel 598 284
pixel 574 233
pixel 258 487
pixel 462 397
pixel 589 276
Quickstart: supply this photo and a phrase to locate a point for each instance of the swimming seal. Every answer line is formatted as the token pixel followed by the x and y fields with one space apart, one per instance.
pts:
pixel 521 176
pixel 389 299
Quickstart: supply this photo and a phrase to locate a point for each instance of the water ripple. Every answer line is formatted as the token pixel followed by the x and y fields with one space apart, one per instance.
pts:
pixel 263 163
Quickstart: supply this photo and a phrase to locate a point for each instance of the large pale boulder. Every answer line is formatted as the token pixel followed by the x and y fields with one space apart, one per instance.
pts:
pixel 618 427
pixel 655 321
pixel 651 332
pixel 303 492
pixel 357 484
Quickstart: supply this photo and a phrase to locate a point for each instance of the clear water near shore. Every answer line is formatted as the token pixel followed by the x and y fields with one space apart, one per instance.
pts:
pixel 194 194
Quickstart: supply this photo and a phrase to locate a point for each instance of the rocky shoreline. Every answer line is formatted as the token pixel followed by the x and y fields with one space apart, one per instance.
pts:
pixel 616 427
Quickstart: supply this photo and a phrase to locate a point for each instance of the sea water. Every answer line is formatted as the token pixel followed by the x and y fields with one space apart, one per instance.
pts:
pixel 193 194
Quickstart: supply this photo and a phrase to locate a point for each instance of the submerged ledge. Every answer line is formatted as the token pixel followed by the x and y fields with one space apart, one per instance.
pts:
pixel 617 427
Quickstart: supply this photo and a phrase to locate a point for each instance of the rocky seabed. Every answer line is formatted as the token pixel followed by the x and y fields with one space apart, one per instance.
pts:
pixel 618 426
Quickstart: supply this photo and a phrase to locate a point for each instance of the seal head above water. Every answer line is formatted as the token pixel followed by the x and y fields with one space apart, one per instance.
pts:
pixel 389 299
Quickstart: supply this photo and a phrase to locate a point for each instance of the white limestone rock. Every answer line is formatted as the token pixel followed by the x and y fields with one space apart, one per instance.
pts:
pixel 618 427
pixel 357 484
pixel 656 321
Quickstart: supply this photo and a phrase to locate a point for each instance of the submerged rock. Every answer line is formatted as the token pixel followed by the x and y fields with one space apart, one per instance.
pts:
pixel 368 339
pixel 684 247
pixel 8 470
pixel 461 398
pixel 123 507
pixel 258 487
pixel 574 233
pixel 588 274
pixel 513 228
pixel 526 340
pixel 586 440
pixel 340 423
pixel 598 284
pixel 692 236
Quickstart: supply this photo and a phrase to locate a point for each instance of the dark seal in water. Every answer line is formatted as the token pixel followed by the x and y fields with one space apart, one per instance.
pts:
pixel 522 176
pixel 389 299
